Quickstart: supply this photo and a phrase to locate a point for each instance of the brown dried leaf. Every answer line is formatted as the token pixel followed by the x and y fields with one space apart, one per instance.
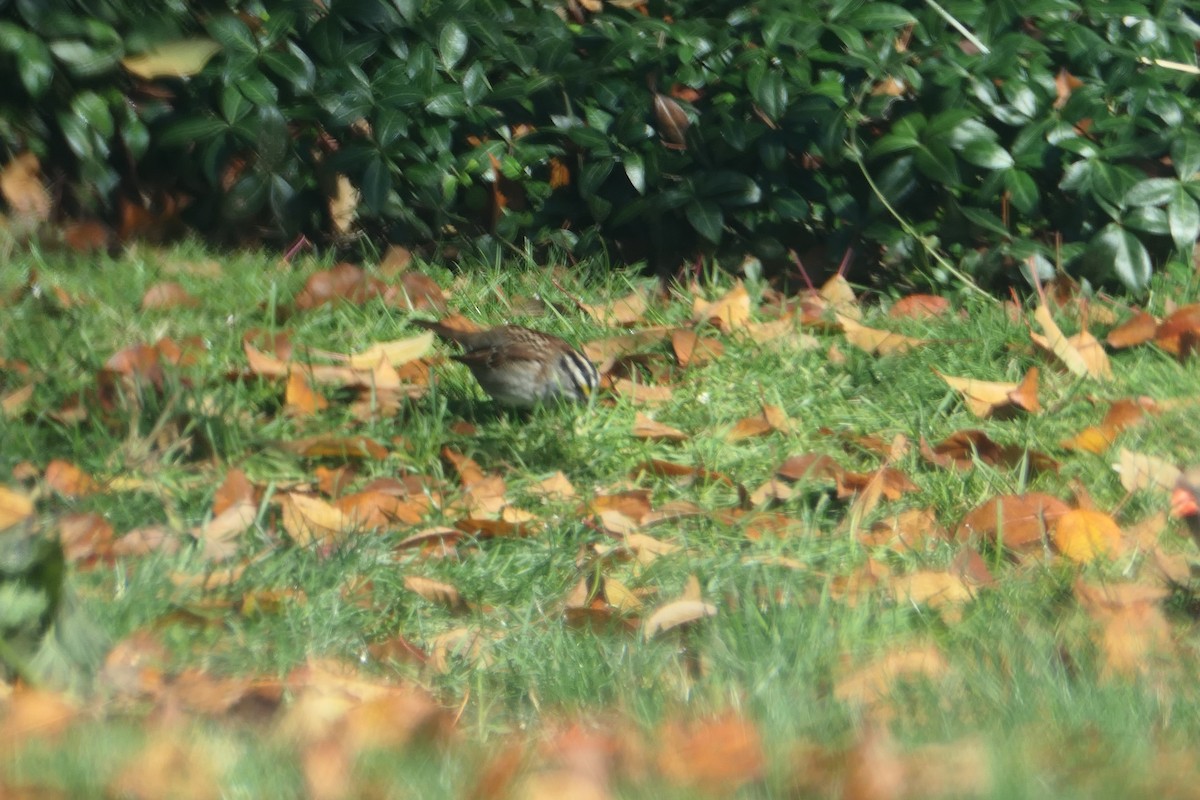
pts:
pixel 919 306
pixel 312 521
pixel 1018 522
pixel 333 446
pixel 345 282
pixel 442 594
pixel 300 400
pixel 646 428
pixel 623 311
pixel 1179 333
pixel 1138 329
pixel 1081 354
pixel 220 537
pixel 728 312
pixel 641 394
pixel 1134 635
pixel 671 121
pixel 984 398
pixel 714 756
pixel 693 350
pixel 68 479
pixel 871 683
pixel 23 190
pixel 874 341
pixel 167 295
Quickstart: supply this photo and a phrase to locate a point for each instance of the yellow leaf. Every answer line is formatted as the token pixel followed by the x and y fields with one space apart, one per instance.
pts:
pixel 178 59
pixel 1083 535
pixel 397 352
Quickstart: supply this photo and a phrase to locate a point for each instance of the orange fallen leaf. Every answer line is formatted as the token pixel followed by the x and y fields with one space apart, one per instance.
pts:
pixel 220 537
pixel 23 190
pixel 1122 415
pixel 1138 329
pixel 68 479
pixel 920 306
pixel 693 350
pixel 872 682
pixel 299 398
pixel 1134 635
pixel 333 446
pixel 312 521
pixel 730 311
pixel 875 341
pixel 985 398
pixel 1083 535
pixel 1179 333
pixel 713 756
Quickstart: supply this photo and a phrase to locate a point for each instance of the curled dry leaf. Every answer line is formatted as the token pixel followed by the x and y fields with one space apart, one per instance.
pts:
pixel 1016 521
pixel 909 530
pixel 1082 354
pixel 1179 333
pixel 555 488
pixel 811 467
pixel 729 312
pixel 1083 535
pixel 1138 329
pixel 1122 415
pixel 345 282
pixel 694 350
pixel 945 591
pixel 612 347
pixel 676 614
pixel 874 341
pixel 646 428
pixel 985 398
pixel 670 469
pixel 961 449
pixel 220 537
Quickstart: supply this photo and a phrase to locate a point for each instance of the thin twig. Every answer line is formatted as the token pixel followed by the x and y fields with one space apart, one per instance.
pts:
pixel 958 26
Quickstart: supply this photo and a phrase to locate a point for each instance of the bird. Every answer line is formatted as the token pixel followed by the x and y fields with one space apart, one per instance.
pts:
pixel 520 367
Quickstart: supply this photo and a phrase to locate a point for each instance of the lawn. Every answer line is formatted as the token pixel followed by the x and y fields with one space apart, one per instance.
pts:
pixel 370 581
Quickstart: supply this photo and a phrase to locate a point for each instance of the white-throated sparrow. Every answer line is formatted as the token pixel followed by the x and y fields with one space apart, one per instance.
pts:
pixel 521 367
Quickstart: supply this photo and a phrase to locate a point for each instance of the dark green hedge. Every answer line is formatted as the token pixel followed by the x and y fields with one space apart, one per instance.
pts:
pixel 662 130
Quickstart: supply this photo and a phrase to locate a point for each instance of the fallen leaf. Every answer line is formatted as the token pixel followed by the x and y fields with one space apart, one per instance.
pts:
pixel 69 480
pixel 86 537
pixel 1179 333
pixel 179 58
pixel 397 352
pixel 676 614
pixel 729 312
pixel 1122 415
pixel 871 683
pixel 1141 471
pixel 919 306
pixel 310 520
pixel 1018 522
pixel 334 446
pixel 345 282
pixel 1083 535
pixel 640 393
pixel 623 311
pixel 985 398
pixel 715 756
pixel 1134 635
pixel 1082 354
pixel 908 530
pixel 962 448
pixel 220 538
pixel 167 295
pixel 874 341
pixel 23 190
pixel 772 418
pixel 811 467
pixel 555 488
pixel 442 594
pixel 1138 329
pixel 300 400
pixel 670 469
pixel 693 350
pixel 646 428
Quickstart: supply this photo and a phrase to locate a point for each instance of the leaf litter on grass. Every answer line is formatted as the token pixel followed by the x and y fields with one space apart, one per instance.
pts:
pixel 860 530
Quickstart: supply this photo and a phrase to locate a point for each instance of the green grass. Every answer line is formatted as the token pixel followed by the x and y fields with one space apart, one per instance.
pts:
pixel 1023 675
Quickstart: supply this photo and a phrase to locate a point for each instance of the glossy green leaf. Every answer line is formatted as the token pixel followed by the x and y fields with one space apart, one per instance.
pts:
pixel 1022 190
pixel 937 161
pixel 1118 252
pixel 988 155
pixel 635 170
pixel 706 218
pixel 232 34
pixel 1185 155
pixel 1151 192
pixel 1183 217
pixel 293 66
pixel 452 44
